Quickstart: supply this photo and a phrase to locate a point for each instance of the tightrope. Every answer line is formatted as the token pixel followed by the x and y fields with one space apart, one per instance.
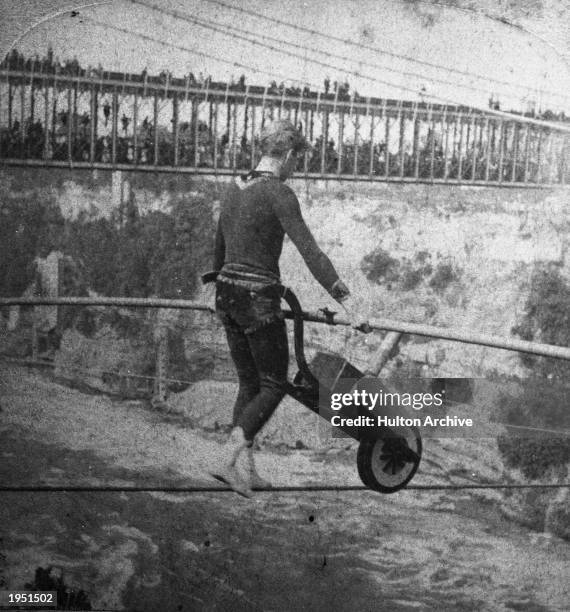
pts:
pixel 277 489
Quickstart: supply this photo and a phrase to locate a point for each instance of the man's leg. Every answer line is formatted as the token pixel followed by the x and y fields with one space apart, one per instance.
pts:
pixel 262 370
pixel 248 389
pixel 270 351
pixel 224 466
pixel 246 370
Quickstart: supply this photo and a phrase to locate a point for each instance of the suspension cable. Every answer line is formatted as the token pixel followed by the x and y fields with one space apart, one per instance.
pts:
pixel 353 43
pixel 215 26
pixel 192 51
pixel 440 99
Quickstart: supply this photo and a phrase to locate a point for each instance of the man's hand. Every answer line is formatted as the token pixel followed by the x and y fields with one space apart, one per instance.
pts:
pixel 358 320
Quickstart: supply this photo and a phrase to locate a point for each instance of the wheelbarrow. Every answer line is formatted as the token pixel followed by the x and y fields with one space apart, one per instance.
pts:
pixel 387 457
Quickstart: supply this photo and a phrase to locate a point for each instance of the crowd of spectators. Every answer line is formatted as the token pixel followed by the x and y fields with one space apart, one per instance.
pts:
pixel 199 147
pixel 72 137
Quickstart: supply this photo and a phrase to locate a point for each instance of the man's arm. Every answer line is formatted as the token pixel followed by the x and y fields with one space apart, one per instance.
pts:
pixel 288 211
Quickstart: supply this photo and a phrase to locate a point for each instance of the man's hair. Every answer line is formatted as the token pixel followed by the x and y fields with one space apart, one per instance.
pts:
pixel 280 136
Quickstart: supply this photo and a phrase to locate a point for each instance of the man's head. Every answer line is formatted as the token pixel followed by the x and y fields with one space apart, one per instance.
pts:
pixel 281 136
pixel 281 140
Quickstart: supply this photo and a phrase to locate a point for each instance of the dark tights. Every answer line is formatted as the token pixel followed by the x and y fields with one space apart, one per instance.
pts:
pixel 257 338
pixel 261 358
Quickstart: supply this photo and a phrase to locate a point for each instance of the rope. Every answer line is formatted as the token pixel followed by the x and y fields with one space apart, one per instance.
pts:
pixel 215 26
pixel 180 381
pixel 197 52
pixel 556 432
pixel 498 113
pixel 277 489
pixel 90 371
pixel 363 46
pixel 51 17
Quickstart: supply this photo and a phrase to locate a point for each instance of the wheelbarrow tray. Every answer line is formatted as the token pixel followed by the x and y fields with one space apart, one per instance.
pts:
pixel 387 459
pixel 334 375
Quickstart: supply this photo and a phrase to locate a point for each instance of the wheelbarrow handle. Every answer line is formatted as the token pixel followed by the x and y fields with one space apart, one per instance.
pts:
pixel 298 336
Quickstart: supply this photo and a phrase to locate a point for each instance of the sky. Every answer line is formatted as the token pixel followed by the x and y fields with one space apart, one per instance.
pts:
pixel 384 48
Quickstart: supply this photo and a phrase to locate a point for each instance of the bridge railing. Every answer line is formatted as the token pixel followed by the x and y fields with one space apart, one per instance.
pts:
pixel 122 121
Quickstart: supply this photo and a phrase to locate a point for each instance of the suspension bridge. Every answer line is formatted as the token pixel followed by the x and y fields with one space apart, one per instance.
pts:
pixel 109 120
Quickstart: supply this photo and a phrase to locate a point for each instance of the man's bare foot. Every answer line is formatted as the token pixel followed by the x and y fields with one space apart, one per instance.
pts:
pixel 256 481
pixel 224 468
pixel 230 476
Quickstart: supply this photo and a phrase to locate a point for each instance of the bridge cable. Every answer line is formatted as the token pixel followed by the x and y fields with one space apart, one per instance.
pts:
pixel 363 45
pixel 447 101
pixel 196 52
pixel 215 26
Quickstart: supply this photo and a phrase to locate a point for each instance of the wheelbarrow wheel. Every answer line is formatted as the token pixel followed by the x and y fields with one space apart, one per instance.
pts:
pixel 388 464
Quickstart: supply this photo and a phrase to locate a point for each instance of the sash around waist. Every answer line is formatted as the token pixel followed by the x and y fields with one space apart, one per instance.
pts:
pixel 247 276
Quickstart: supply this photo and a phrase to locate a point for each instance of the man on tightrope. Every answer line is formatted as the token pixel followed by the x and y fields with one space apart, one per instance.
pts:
pixel 257 212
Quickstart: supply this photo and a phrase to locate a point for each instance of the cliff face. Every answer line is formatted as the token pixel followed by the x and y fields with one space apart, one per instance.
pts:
pixel 450 256
pixel 445 255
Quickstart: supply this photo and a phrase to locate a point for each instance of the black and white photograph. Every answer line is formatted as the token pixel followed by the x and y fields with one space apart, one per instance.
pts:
pixel 285 305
